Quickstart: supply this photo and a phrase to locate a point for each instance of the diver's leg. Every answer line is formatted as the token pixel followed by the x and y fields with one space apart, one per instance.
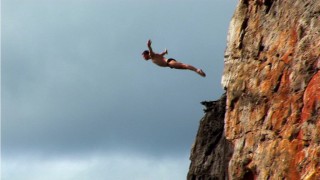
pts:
pixel 179 65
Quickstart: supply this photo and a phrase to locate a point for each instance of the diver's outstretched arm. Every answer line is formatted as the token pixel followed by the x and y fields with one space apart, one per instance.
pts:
pixel 164 52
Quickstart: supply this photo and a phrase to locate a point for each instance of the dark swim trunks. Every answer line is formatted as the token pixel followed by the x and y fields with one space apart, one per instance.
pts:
pixel 168 61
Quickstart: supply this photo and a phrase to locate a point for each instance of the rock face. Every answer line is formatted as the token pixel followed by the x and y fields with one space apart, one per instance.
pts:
pixel 211 152
pixel 272 80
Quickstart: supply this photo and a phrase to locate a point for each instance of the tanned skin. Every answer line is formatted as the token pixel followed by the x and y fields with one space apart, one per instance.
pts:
pixel 160 60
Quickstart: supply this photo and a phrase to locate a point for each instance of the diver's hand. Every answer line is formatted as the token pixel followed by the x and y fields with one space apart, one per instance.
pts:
pixel 149 42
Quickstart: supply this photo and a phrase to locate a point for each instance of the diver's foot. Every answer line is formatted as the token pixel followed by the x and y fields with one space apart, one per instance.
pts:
pixel 201 73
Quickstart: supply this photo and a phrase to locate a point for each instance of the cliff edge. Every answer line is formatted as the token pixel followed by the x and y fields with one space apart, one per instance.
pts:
pixel 211 151
pixel 272 82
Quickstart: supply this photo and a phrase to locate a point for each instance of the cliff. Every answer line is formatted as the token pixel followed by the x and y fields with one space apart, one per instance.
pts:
pixel 211 152
pixel 272 82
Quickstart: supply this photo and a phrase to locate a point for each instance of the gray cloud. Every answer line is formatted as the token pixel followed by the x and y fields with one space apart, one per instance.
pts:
pixel 97 167
pixel 73 79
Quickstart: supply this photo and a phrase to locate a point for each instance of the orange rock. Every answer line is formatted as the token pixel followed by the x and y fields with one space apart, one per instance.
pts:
pixel 272 80
pixel 277 110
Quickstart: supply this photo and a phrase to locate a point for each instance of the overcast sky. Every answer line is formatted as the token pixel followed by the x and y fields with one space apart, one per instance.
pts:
pixel 79 102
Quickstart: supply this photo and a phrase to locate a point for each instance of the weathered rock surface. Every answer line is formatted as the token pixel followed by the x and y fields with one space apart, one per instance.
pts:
pixel 211 152
pixel 272 80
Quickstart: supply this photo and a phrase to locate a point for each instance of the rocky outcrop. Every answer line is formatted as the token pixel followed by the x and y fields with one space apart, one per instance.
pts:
pixel 211 151
pixel 272 79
